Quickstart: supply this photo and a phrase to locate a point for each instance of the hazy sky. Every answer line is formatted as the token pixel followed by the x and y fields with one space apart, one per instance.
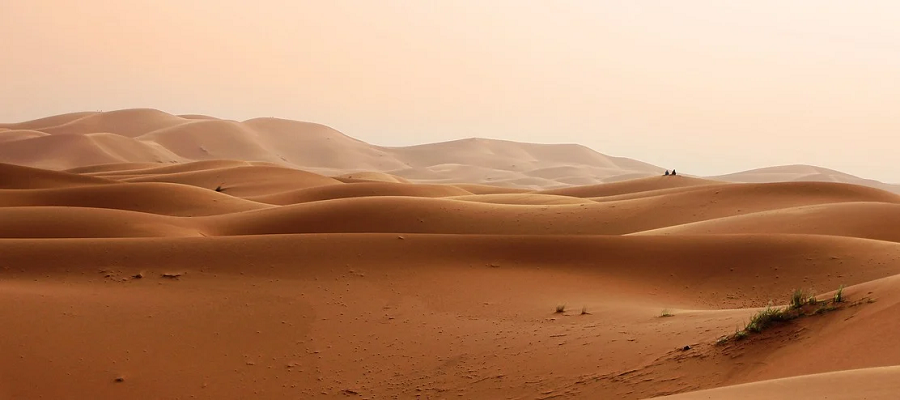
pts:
pixel 707 87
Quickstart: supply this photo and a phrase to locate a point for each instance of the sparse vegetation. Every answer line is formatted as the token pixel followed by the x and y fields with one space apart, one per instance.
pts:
pixel 797 298
pixel 800 298
pixel 666 313
pixel 812 300
pixel 560 308
pixel 839 295
pixel 801 304
pixel 584 310
pixel 220 189
pixel 767 317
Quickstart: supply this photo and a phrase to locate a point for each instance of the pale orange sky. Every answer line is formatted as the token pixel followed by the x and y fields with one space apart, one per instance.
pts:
pixel 707 87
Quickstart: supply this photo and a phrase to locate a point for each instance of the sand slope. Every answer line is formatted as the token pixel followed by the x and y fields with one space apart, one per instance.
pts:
pixel 238 181
pixel 866 383
pixel 74 150
pixel 155 198
pixel 129 123
pixel 308 301
pixel 866 220
pixel 429 215
pixel 361 189
pixel 12 135
pixel 69 222
pixel 17 177
pixel 635 186
pixel 796 173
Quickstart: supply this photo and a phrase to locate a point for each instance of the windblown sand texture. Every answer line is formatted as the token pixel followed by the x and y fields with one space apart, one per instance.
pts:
pixel 140 280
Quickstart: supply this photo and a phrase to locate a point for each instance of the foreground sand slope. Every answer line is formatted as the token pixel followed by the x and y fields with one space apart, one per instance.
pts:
pixel 144 281
pixel 316 315
pixel 867 383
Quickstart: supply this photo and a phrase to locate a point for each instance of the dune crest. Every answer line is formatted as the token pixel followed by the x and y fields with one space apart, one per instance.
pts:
pixel 153 136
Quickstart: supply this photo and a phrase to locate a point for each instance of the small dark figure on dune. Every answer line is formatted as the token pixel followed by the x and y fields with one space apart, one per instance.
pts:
pixel 667 173
pixel 674 173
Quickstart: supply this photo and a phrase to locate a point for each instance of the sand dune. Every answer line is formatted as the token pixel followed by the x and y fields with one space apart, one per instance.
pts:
pixel 69 222
pixel 368 208
pixel 865 220
pixel 210 139
pixel 489 189
pixel 197 116
pixel 805 349
pixel 242 180
pixel 363 189
pixel 113 169
pixel 808 173
pixel 307 144
pixel 316 204
pixel 47 122
pixel 866 383
pixel 504 155
pixel 16 177
pixel 371 176
pixel 630 186
pixel 74 150
pixel 147 135
pixel 429 215
pixel 129 123
pixel 12 135
pixel 655 193
pixel 137 169
pixel 523 199
pixel 199 260
pixel 865 343
pixel 154 136
pixel 154 198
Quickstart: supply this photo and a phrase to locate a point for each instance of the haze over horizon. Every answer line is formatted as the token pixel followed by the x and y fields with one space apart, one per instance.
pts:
pixel 705 87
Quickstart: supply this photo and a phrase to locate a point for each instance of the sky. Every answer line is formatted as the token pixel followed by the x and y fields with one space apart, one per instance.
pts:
pixel 706 87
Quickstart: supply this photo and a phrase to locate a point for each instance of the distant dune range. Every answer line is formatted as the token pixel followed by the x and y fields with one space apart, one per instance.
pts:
pixel 149 136
pixel 146 255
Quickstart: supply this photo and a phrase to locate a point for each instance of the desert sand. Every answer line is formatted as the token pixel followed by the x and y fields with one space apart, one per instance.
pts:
pixel 150 256
pixel 132 139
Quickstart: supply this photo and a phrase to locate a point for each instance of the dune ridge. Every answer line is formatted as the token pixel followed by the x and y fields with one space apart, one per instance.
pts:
pixel 88 139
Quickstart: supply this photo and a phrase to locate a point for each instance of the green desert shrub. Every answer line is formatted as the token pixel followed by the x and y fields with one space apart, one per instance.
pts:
pixel 765 318
pixel 839 295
